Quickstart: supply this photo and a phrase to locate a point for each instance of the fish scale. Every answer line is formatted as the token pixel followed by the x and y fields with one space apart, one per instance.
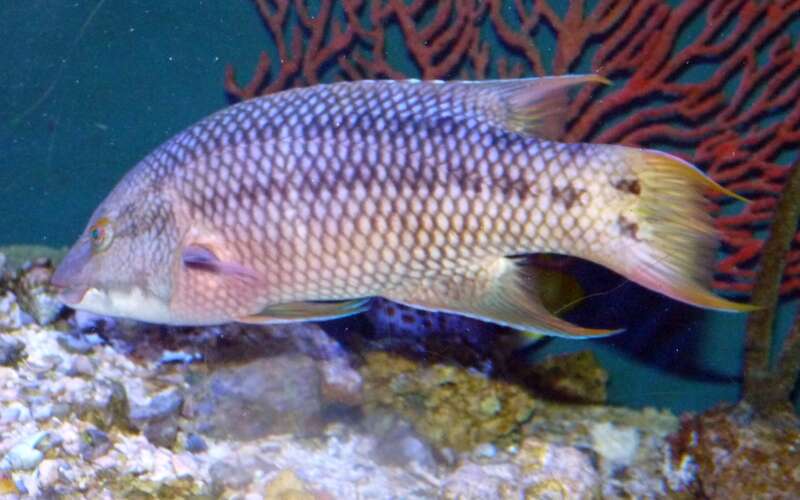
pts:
pixel 347 178
pixel 419 192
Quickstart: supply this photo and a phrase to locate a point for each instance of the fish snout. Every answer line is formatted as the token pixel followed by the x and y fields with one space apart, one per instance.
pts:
pixel 68 275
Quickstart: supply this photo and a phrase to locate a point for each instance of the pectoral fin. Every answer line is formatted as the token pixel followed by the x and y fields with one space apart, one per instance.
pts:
pixel 200 258
pixel 502 292
pixel 307 311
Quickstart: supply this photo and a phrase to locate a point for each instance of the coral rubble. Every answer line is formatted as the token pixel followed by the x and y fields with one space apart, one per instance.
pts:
pixel 738 453
pixel 95 407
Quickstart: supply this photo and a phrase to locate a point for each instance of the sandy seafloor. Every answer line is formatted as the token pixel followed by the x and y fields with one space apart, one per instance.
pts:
pixel 97 408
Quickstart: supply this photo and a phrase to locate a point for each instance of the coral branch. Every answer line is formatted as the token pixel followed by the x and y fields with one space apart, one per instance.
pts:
pixel 763 387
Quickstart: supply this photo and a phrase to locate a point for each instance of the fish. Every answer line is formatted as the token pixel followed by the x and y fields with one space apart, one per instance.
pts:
pixel 305 204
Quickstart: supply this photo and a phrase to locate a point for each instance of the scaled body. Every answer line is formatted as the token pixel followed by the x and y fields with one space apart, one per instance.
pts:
pixel 419 192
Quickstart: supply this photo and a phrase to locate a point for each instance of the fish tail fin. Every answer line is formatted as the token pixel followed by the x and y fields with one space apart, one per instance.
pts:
pixel 668 241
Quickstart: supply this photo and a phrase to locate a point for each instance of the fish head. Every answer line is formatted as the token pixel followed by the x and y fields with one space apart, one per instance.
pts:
pixel 121 264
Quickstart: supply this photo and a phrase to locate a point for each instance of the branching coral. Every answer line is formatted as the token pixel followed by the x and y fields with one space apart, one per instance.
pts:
pixel 768 385
pixel 713 80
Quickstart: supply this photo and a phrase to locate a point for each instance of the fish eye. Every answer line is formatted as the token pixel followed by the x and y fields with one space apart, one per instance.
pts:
pixel 101 234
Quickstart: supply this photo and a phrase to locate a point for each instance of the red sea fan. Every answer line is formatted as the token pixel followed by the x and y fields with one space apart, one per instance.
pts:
pixel 715 81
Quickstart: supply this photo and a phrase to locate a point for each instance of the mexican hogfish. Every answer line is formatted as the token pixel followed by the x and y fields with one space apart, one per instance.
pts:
pixel 303 204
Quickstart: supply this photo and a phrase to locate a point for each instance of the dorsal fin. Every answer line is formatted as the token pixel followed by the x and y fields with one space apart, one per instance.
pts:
pixel 535 106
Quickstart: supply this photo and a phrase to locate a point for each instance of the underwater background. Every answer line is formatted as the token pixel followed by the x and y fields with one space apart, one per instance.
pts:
pixel 93 87
pixel 90 87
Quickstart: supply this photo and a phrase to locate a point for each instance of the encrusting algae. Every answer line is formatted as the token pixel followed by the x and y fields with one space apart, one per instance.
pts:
pixel 451 406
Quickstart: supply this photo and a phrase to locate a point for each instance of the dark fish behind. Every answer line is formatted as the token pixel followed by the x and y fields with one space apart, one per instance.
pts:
pixel 303 204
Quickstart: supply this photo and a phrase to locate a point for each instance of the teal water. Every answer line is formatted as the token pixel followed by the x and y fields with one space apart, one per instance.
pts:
pixel 93 86
pixel 90 87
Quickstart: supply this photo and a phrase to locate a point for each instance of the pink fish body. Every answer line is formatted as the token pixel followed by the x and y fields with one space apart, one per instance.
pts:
pixel 303 204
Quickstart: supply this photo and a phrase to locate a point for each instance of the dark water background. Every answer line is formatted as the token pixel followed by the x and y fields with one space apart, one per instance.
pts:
pixel 90 87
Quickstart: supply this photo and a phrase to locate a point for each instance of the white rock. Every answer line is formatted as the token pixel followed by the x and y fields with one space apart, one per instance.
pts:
pixel 72 441
pixel 485 450
pixel 47 472
pixel 23 455
pixel 10 313
pixel 618 445
pixel 163 469
pixel 185 465
pixel 42 412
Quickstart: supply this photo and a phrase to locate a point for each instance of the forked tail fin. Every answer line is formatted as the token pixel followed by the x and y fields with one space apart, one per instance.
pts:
pixel 672 242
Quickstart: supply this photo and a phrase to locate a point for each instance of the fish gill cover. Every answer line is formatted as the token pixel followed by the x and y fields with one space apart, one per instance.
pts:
pixel 741 124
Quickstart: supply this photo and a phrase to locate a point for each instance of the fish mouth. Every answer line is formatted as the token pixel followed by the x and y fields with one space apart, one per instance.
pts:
pixel 72 295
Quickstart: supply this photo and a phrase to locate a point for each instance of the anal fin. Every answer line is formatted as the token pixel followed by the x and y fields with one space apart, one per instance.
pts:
pixel 500 291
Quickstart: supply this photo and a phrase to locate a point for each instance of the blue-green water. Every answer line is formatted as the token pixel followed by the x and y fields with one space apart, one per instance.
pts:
pixel 90 87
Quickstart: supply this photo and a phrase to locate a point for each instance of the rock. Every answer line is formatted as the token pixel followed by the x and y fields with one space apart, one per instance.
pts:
pixel 616 445
pixel 449 406
pixel 119 407
pixel 9 414
pixel 8 486
pixel 230 475
pixel 287 486
pixel 81 366
pixel 279 394
pixel 49 441
pixel 45 363
pixel 732 452
pixel 575 377
pixel 195 444
pixel 60 410
pixel 94 444
pixel 36 296
pixel 179 357
pixel 10 313
pixel 398 444
pixel 162 432
pixel 24 455
pixel 554 471
pixel 340 383
pixel 47 473
pixel 12 350
pixel 75 343
pixel 105 413
pixel 42 412
pixel 471 481
pixel 15 412
pixel 158 419
pixel 163 405
pixel 485 450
